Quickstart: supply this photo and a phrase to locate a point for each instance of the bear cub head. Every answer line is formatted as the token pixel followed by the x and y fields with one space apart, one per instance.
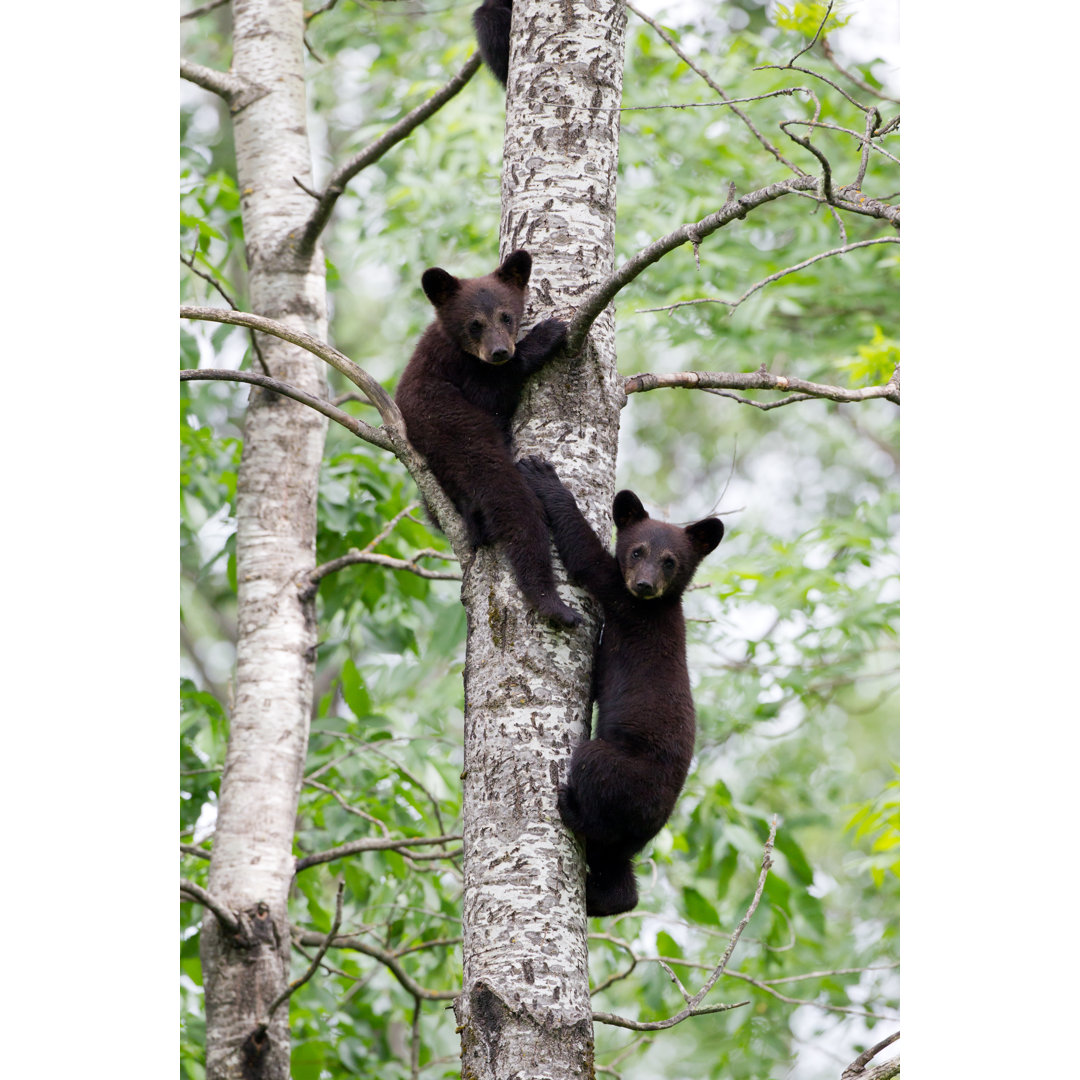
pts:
pixel 481 315
pixel 657 559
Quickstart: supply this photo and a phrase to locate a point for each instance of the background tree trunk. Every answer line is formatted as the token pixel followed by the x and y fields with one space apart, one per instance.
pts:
pixel 277 487
pixel 525 1008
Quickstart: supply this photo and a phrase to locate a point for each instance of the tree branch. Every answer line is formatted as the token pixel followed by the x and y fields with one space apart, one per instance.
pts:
pixel 335 186
pixel 858 1066
pixel 354 556
pixel 388 959
pixel 360 429
pixel 598 298
pixel 313 967
pixel 826 48
pixel 237 93
pixel 200 896
pixel 760 380
pixel 194 13
pixel 719 90
pixel 198 852
pixel 370 844
pixel 733 304
pixel 393 430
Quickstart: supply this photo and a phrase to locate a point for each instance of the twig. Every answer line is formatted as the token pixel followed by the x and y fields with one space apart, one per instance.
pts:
pixel 759 380
pixel 351 423
pixel 704 75
pixel 693 1004
pixel 857 1067
pixel 191 849
pixel 850 1010
pixel 198 894
pixel 388 959
pixel 414 1053
pixel 371 844
pixel 598 298
pixel 826 168
pixel 313 967
pixel 826 48
pixel 733 304
pixel 194 13
pixel 817 34
pixel 370 154
pixel 190 263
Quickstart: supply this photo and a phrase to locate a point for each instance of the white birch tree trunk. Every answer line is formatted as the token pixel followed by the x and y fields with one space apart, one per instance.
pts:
pixel 252 863
pixel 525 1011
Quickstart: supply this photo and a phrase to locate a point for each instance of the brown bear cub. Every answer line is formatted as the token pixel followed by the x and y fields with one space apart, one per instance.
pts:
pixel 458 395
pixel 623 782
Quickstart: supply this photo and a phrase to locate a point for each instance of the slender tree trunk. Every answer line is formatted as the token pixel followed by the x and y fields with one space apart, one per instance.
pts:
pixel 524 1010
pixel 252 862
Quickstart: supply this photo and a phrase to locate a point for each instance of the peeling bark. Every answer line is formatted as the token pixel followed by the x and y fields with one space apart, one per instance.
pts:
pixel 524 1010
pixel 252 866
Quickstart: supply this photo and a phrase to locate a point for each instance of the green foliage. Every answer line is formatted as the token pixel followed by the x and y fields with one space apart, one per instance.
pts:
pixel 806 18
pixel 793 652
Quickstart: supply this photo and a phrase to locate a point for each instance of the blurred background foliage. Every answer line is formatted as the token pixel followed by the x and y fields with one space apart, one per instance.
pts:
pixel 793 646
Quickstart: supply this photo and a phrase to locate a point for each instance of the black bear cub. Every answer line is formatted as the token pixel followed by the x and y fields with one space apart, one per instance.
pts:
pixel 623 782
pixel 458 394
pixel 491 20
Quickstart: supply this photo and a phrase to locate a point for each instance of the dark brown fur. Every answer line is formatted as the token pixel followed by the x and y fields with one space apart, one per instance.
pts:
pixel 491 20
pixel 623 782
pixel 458 395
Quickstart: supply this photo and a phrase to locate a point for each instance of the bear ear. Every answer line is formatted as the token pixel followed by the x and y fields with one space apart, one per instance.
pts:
pixel 439 285
pixel 515 270
pixel 627 509
pixel 705 535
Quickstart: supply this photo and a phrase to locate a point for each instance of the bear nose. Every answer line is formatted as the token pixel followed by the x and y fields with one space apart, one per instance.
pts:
pixel 644 588
pixel 500 356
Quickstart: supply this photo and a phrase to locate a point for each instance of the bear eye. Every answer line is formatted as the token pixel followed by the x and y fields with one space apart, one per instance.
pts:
pixel 637 553
pixel 505 318
pixel 668 563
pixel 475 327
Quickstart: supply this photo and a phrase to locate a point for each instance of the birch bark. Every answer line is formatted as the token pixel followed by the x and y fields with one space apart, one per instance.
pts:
pixel 524 1010
pixel 252 863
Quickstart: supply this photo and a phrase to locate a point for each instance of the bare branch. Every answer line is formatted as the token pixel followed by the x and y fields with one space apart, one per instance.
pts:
pixel 858 1066
pixel 713 85
pixel 194 13
pixel 353 556
pixel 826 48
pixel 393 429
pixel 350 941
pixel 238 93
pixel 850 1010
pixel 335 186
pixel 660 1025
pixel 382 401
pixel 599 297
pixel 371 844
pixel 199 895
pixel 817 34
pixel 817 75
pixel 351 423
pixel 733 304
pixel 190 263
pixel 192 849
pixel 314 966
pixel 760 380
pixel 826 168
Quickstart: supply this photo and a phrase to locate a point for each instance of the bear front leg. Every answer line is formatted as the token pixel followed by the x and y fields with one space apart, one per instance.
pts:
pixel 537 347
